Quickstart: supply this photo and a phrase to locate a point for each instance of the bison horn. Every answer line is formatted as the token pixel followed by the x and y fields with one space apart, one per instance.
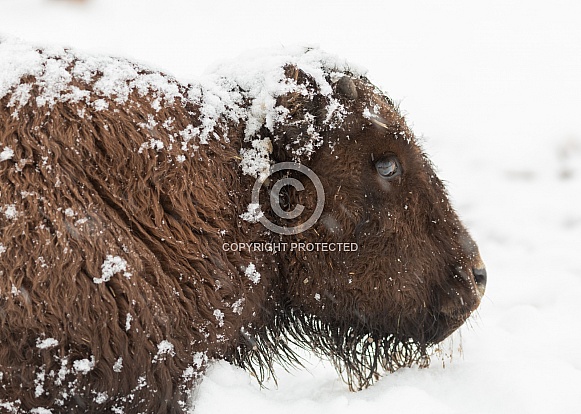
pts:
pixel 346 87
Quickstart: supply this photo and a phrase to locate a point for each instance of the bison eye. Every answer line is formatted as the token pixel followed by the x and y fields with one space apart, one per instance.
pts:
pixel 388 167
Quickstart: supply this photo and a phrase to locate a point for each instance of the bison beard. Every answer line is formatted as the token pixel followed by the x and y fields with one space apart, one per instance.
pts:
pixel 357 353
pixel 119 187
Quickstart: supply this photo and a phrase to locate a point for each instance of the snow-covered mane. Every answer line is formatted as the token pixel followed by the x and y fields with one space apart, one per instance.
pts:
pixel 245 89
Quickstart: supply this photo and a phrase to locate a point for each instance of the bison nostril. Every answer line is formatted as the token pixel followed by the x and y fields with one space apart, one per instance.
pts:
pixel 480 276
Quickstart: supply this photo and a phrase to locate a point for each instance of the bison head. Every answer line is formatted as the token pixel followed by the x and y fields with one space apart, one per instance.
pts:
pixel 388 269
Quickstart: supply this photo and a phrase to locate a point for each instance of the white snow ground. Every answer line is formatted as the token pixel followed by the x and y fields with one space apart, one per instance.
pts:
pixel 495 90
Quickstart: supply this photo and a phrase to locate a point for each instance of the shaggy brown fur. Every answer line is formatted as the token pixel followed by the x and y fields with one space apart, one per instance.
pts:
pixel 81 192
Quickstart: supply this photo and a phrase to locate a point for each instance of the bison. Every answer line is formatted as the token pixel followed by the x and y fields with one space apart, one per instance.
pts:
pixel 145 231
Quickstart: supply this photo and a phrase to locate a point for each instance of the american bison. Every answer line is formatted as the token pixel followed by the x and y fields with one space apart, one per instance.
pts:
pixel 133 250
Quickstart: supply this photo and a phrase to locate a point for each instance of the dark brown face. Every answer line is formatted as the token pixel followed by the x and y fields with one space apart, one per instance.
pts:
pixel 416 274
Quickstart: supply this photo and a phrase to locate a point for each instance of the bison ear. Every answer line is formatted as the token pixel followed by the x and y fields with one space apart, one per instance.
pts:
pixel 346 87
pixel 298 131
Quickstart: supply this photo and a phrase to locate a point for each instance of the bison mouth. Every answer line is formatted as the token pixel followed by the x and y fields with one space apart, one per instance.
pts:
pixel 444 325
pixel 454 304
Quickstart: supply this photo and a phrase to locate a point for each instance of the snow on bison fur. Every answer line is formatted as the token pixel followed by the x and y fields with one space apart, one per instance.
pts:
pixel 132 253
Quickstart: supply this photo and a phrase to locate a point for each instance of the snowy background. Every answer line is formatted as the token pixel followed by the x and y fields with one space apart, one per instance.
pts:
pixel 494 91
